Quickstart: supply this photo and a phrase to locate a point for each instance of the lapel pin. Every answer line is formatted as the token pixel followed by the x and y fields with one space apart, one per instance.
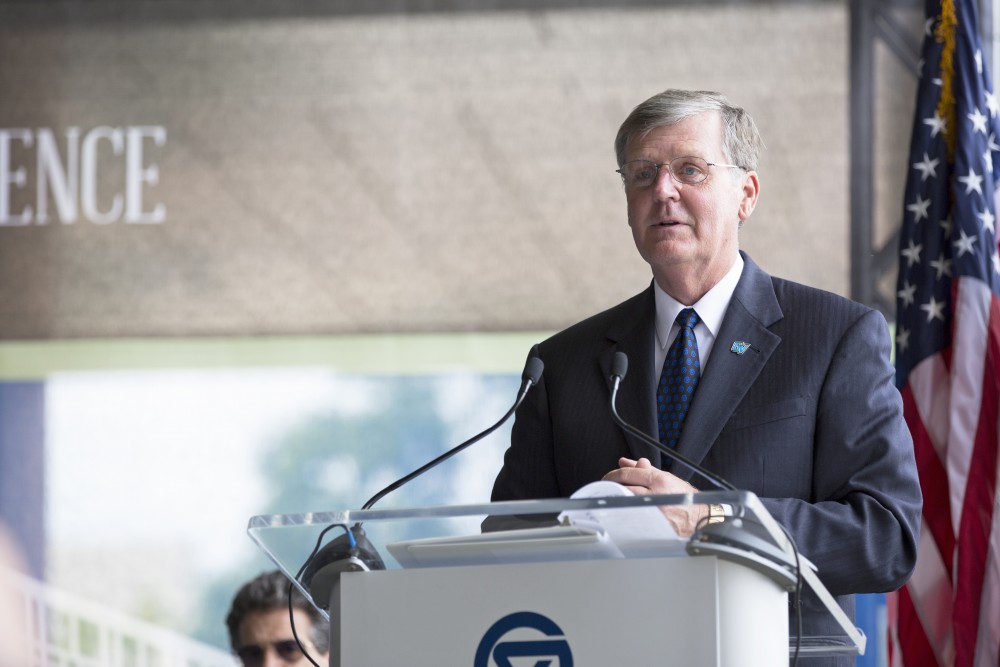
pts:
pixel 739 346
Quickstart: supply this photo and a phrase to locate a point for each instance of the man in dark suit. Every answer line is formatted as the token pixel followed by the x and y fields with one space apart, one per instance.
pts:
pixel 793 395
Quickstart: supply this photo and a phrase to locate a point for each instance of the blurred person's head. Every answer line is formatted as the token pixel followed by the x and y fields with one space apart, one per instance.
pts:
pixel 15 647
pixel 259 629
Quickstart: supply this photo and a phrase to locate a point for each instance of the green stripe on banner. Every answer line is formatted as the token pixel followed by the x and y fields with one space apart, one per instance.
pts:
pixel 382 354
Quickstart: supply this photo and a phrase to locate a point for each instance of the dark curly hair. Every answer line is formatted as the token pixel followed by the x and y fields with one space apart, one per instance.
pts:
pixel 269 592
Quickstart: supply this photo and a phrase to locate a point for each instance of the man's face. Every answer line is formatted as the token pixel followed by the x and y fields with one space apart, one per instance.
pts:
pixel 265 640
pixel 689 231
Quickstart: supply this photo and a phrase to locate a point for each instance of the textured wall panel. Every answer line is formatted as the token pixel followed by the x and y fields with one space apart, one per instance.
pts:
pixel 393 172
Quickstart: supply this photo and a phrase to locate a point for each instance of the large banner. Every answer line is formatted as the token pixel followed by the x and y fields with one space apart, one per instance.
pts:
pixel 172 169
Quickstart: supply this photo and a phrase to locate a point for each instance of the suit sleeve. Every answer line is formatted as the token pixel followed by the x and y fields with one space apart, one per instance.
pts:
pixel 861 526
pixel 529 467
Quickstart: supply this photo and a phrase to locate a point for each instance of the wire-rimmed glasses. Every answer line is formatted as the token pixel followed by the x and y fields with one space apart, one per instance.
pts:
pixel 688 169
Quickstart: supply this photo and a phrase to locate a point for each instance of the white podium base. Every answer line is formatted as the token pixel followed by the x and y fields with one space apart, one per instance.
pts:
pixel 684 611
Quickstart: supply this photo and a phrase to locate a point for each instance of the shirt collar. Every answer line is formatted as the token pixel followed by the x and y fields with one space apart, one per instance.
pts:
pixel 711 308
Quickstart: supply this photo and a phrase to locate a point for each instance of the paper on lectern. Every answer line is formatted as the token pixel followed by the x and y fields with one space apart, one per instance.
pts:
pixel 636 531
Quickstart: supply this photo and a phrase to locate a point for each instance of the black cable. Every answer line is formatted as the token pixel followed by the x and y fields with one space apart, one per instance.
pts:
pixel 797 596
pixel 291 608
pixel 295 634
pixel 797 600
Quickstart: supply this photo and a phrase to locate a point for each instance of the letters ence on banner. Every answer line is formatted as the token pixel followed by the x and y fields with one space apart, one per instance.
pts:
pixel 34 173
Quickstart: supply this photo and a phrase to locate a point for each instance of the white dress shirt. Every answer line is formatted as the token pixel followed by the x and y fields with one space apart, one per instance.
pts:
pixel 711 309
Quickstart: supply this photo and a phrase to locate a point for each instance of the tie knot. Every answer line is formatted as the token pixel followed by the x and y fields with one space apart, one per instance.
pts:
pixel 688 318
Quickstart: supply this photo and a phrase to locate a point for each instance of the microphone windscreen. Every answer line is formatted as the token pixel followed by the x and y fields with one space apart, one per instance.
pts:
pixel 619 366
pixel 322 571
pixel 533 370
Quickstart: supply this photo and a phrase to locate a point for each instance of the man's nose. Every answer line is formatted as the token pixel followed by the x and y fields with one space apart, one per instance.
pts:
pixel 665 185
pixel 272 659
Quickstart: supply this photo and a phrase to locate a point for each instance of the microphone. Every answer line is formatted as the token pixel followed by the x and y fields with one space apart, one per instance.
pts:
pixel 619 366
pixel 529 377
pixel 353 552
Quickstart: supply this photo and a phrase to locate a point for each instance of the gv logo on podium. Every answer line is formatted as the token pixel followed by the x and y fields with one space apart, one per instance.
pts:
pixel 552 648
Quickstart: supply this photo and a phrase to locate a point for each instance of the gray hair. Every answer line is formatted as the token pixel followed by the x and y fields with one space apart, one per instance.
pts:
pixel 741 141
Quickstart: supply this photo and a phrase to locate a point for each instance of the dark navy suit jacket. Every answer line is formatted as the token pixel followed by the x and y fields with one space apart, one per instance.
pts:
pixel 808 419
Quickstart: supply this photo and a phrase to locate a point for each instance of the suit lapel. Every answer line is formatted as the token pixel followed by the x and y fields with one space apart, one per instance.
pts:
pixel 728 376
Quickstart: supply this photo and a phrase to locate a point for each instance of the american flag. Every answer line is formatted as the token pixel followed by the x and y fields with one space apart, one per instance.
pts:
pixel 948 351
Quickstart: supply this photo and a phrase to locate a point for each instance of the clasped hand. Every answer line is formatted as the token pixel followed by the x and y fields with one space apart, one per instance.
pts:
pixel 644 479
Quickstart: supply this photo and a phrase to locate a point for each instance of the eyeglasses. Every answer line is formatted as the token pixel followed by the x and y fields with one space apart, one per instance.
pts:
pixel 252 655
pixel 637 174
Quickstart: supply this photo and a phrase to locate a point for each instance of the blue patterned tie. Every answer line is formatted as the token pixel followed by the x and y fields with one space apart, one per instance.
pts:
pixel 681 371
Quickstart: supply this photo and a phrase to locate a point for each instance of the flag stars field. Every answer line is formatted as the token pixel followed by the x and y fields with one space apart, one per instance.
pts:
pixel 934 310
pixel 986 219
pixel 937 123
pixel 912 254
pixel 927 167
pixel 973 182
pixel 964 244
pixel 978 119
pixel 942 266
pixel 919 209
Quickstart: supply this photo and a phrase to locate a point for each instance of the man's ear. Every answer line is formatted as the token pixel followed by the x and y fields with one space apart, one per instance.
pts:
pixel 751 190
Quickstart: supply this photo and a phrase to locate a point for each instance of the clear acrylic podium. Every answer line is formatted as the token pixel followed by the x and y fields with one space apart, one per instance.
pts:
pixel 575 581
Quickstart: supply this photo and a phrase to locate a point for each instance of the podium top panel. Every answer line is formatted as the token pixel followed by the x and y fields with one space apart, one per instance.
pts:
pixel 313 548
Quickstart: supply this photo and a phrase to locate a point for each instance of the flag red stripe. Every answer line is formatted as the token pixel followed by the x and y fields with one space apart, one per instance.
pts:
pixel 913 644
pixel 933 481
pixel 977 511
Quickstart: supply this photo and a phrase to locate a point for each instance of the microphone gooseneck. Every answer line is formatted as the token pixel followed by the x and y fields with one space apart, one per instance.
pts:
pixel 733 539
pixel 529 377
pixel 619 366
pixel 353 551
